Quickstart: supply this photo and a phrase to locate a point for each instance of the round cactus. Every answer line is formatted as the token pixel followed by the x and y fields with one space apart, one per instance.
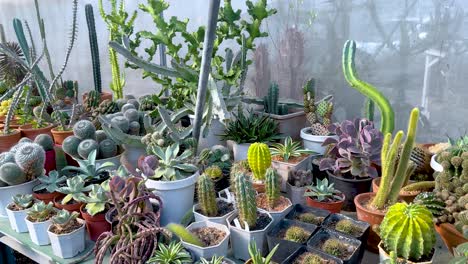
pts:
pixel 272 186
pixel 259 158
pixel 207 196
pixel 296 234
pixel 134 128
pixel 25 140
pixel 131 115
pixel 107 149
pixel 129 97
pixel 134 102
pixel 245 200
pixel 127 106
pixel 30 157
pixel 7 157
pixel 121 122
pixel 45 141
pixel 84 129
pixel 121 103
pixel 15 147
pixel 70 146
pixel 86 146
pixel 100 135
pixel 12 174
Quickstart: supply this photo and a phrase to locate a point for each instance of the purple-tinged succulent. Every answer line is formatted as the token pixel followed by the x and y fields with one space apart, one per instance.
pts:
pixel 147 165
pixel 357 150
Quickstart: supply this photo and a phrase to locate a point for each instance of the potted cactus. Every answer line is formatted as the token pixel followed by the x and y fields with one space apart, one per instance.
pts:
pixel 17 211
pixel 248 223
pixel 38 221
pixel 298 180
pixel 412 222
pixel 342 247
pixel 309 215
pixel 259 160
pixel 74 194
pixel 210 208
pixel 311 255
pixel 319 116
pixel 31 131
pixel 218 158
pixel 288 157
pixel 67 234
pixel 47 143
pixel 64 128
pixel 94 212
pixel 174 252
pixel 324 196
pixel 46 190
pixel 90 170
pixel 19 169
pixel 291 234
pixel 271 201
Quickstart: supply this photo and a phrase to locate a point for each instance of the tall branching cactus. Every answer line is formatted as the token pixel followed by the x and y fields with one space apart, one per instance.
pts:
pixel 259 158
pixel 408 231
pixel 245 200
pixel 207 196
pixel 396 166
pixel 93 44
pixel 272 186
pixel 40 21
pixel 349 71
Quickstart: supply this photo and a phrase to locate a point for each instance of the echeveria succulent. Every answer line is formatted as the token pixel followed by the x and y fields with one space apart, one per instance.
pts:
pixel 357 150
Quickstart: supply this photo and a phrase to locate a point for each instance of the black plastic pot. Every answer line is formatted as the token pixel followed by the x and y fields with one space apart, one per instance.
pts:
pixel 303 249
pixel 324 234
pixel 300 209
pixel 98 180
pixel 316 172
pixel 351 188
pixel 331 221
pixel 273 236
pixel 284 251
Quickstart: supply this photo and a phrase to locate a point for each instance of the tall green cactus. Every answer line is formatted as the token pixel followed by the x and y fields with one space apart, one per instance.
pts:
pixel 206 196
pixel 408 231
pixel 272 186
pixel 270 101
pixel 259 158
pixel 349 71
pixel 93 44
pixel 396 166
pixel 245 200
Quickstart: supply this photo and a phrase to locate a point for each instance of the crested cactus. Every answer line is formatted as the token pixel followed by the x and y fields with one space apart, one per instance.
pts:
pixel 107 149
pixel 272 186
pixel 84 129
pixel 12 174
pixel 206 196
pixel 30 157
pixel 93 44
pixel 70 146
pixel 45 141
pixel 245 200
pixel 87 146
pixel 259 158
pixel 408 231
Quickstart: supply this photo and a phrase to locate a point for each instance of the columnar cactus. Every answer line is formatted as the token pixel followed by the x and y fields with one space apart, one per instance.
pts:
pixel 270 101
pixel 206 196
pixel 245 200
pixel 84 129
pixel 272 186
pixel 92 100
pixel 408 231
pixel 94 47
pixel 259 158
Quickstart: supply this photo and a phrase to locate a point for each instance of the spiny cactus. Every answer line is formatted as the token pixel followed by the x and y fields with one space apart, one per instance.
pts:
pixel 214 172
pixel 121 122
pixel 93 44
pixel 334 247
pixel 92 101
pixel 84 129
pixel 310 258
pixel 349 227
pixel 296 234
pixel 408 230
pixel 70 146
pixel 272 186
pixel 431 202
pixel 245 200
pixel 107 149
pixel 259 158
pixel 126 107
pixel 45 141
pixel 206 196
pixel 310 218
pixel 11 174
pixel 30 157
pixel 319 116
pixel 270 101
pixel 86 146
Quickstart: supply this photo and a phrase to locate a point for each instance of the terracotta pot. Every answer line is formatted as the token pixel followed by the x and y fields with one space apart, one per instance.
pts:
pixel 69 207
pixel 48 197
pixel 405 197
pixel 31 133
pixel 50 161
pixel 59 136
pixel 96 224
pixel 333 207
pixel 8 141
pixel 452 238
pixel 104 96
pixel 370 216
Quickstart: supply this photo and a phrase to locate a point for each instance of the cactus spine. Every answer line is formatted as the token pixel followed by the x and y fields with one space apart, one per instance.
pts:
pixel 259 158
pixel 349 71
pixel 408 230
pixel 206 196
pixel 93 44
pixel 245 200
pixel 272 186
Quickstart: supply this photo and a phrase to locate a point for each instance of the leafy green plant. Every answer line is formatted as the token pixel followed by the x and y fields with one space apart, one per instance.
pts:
pixel 323 192
pixel 256 255
pixel 41 212
pixel 174 253
pixel 88 169
pixel 23 201
pixel 97 200
pixel 214 260
pixel 184 234
pixel 74 189
pixel 50 183
pixel 172 166
pixel 251 128
pixel 288 150
pixel 64 219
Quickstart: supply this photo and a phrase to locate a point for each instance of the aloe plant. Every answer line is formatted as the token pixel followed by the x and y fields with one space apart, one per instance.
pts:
pixel 172 253
pixel 256 256
pixel 88 168
pixel 74 190
pixel 50 183
pixel 172 166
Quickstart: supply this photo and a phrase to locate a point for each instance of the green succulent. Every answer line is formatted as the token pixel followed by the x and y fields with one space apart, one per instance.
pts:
pixel 88 168
pixel 214 260
pixel 171 165
pixel 323 192
pixel 216 156
pixel 50 183
pixel 288 150
pixel 74 190
pixel 97 198
pixel 41 212
pixel 174 253
pixel 460 254
pixel 23 201
pixel 63 219
pixel 256 256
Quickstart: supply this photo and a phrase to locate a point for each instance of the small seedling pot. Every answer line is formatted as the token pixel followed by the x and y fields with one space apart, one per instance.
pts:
pixel 313 142
pixel 220 249
pixel 273 236
pixel 325 234
pixel 240 150
pixel 331 259
pixel 6 194
pixel 295 194
pixel 384 257
pixel 68 245
pixel 17 220
pixel 333 207
pixel 218 219
pixel 38 231
pixel 283 169
pixel 300 209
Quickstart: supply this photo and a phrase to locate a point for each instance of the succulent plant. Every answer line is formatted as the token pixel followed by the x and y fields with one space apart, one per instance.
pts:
pixel 49 183
pixel 207 196
pixel 259 158
pixel 357 150
pixel 310 258
pixel 289 149
pixel 121 122
pixel 88 169
pixel 460 254
pixel 23 201
pixel 70 146
pixel 97 200
pixel 127 106
pixel 86 147
pixel 131 115
pixel 245 200
pixel 45 141
pixel 172 253
pixel 296 234
pixel 431 202
pixel 408 230
pixel 271 103
pixel 348 226
pixel 64 219
pixel 74 189
pixel 218 156
pixel 171 165
pixel 319 115
pixel 214 260
pixel 300 178
pixel 41 212
pixel 334 247
pixel 184 234
pixel 107 149
pixel 30 157
pixel 214 172
pixel 84 129
pixel 272 186
pixel 256 255
pixel 100 135
pixel 323 192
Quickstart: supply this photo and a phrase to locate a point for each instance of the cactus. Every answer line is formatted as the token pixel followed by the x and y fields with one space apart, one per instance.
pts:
pixel 270 101
pixel 272 186
pixel 70 146
pixel 106 107
pixel 107 149
pixel 319 115
pixel 126 107
pixel 206 196
pixel 84 129
pixel 100 135
pixel 134 128
pixel 309 258
pixel 310 218
pixel 121 122
pixel 394 176
pixel 92 100
pixel 45 141
pixel 259 158
pixel 335 247
pixel 431 202
pixel 30 157
pixel 214 172
pixel 296 234
pixel 245 201
pixel 349 71
pixel 419 186
pixel 133 101
pixel 86 146
pixel 93 44
pixel 408 230
pixel 121 102
pixel 7 157
pixel 11 174
pixel 349 227
pixel 68 89
pixel 131 115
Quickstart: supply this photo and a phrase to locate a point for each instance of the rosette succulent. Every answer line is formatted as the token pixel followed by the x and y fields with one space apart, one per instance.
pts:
pixel 355 152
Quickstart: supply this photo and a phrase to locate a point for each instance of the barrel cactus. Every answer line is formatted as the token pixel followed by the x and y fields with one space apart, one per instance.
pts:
pixel 84 129
pixel 245 200
pixel 408 231
pixel 30 157
pixel 272 186
pixel 11 174
pixel 134 102
pixel 131 115
pixel 107 149
pixel 121 102
pixel 206 196
pixel 134 128
pixel 25 140
pixel 86 146
pixel 259 158
pixel 70 145
pixel 45 141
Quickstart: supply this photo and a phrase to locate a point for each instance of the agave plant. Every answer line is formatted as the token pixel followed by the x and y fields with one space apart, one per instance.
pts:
pixel 50 183
pixel 74 190
pixel 23 201
pixel 41 212
pixel 288 150
pixel 64 219
pixel 171 165
pixel 214 260
pixel 172 253
pixel 323 192
pixel 88 169
pixel 356 151
pixel 97 200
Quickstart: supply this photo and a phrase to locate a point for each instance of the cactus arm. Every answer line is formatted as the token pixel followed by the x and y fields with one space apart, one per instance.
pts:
pixel 2 34
pixel 43 37
pixel 369 109
pixel 18 26
pixel 420 186
pixel 93 44
pixel 349 70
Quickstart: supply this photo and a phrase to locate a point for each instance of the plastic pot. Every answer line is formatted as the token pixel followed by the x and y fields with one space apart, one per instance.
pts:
pixel 284 251
pixel 435 165
pixel 240 150
pixel 303 249
pixel 283 169
pixel 8 141
pixel 372 217
pixel 384 257
pixel 47 197
pixel 74 207
pixel 31 133
pixel 313 142
pixel 50 161
pixel 333 207
pixel 17 220
pixel 6 193
pixel 131 155
pixel 279 215
pixel 219 219
pixel 450 235
pixel 289 124
pixel 350 188
pixel 325 234
pixel 300 209
pixel 295 194
pixel 213 137
pixel 273 236
pixel 38 231
pixel 220 249
pixel 68 245
pixel 176 196
pixel 95 224
pixel 59 135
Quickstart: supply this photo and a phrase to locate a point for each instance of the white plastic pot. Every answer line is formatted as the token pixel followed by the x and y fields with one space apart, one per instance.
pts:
pixel 68 245
pixel 240 150
pixel 436 166
pixel 279 215
pixel 220 249
pixel 295 194
pixel 240 238
pixel 213 136
pixel 313 142
pixel 283 169
pixel 38 232
pixel 17 220
pixel 6 194
pixel 384 257
pixel 115 160
pixel 177 197
pixel 219 220
pixel 132 154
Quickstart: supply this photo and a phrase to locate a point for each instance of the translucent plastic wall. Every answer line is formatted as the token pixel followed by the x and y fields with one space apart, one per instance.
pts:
pixel 415 51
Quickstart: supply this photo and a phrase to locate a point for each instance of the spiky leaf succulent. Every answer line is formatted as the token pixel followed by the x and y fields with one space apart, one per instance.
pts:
pixel 206 196
pixel 214 260
pixel 169 254
pixel 323 192
pixel 23 201
pixel 74 189
pixel 259 158
pixel 289 149
pixel 50 183
pixel 256 255
pixel 41 212
pixel 171 165
pixel 88 169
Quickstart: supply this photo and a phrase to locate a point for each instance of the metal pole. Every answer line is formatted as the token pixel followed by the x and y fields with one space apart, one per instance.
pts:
pixel 205 67
pixel 162 55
